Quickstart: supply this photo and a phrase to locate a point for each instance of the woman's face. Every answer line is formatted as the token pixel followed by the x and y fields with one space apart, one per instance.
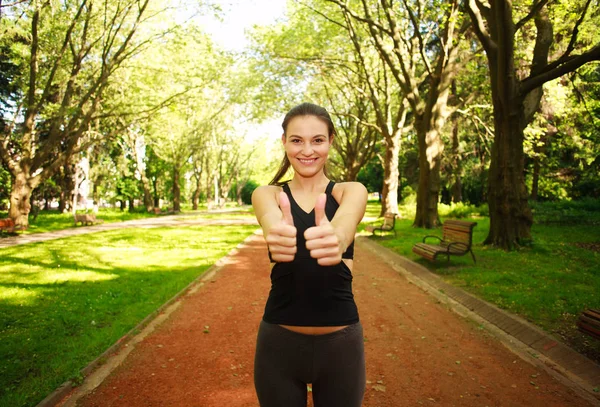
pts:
pixel 307 144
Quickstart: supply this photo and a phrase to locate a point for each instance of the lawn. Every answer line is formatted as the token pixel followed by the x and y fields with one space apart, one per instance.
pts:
pixel 48 221
pixel 549 283
pixel 63 302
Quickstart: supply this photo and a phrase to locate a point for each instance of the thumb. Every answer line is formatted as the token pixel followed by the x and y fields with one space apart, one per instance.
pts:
pixel 320 217
pixel 286 210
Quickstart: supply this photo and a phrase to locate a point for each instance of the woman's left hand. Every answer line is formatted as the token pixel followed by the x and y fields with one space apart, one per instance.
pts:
pixel 323 241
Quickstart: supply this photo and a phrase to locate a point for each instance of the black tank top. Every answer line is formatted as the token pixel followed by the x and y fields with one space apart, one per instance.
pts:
pixel 304 293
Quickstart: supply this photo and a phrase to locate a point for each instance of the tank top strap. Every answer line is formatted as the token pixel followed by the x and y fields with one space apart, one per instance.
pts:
pixel 329 188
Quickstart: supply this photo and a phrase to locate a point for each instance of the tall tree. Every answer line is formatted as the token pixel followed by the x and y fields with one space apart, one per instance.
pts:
pixel 418 41
pixel 516 96
pixel 71 52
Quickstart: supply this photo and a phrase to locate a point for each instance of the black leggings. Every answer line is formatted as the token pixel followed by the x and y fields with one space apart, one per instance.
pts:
pixel 287 361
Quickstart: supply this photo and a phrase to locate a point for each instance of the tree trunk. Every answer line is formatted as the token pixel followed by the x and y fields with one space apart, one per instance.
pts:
pixel 155 192
pixel 456 188
pixel 62 201
pixel 196 196
pixel 131 204
pixel 147 193
pixel 510 215
pixel 19 200
pixel 430 155
pixel 176 189
pixel 238 192
pixel 389 202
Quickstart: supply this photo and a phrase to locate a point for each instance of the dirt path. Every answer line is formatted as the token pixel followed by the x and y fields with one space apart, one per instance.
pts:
pixel 418 352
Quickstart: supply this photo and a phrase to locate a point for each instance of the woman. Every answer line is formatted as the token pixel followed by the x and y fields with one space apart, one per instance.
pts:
pixel 310 332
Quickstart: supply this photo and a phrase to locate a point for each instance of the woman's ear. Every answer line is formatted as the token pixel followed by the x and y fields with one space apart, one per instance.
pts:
pixel 283 139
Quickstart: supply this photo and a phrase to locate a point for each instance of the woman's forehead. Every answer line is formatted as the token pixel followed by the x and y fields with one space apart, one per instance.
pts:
pixel 307 126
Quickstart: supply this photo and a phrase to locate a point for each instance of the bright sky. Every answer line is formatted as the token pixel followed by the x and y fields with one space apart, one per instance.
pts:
pixel 239 15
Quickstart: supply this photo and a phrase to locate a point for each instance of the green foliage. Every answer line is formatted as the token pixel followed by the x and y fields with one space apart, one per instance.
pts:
pixel 584 211
pixel 371 176
pixel 247 191
pixel 462 210
pixel 5 185
pixel 64 302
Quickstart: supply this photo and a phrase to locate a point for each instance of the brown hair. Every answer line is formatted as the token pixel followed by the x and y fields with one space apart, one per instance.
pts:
pixel 304 109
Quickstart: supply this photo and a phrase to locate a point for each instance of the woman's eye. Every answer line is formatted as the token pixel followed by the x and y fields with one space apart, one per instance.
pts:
pixel 319 140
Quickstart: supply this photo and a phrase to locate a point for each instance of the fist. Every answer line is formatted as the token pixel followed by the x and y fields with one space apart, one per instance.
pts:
pixel 322 240
pixel 281 239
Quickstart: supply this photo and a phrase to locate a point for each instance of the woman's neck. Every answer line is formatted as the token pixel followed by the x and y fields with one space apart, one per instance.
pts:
pixel 317 183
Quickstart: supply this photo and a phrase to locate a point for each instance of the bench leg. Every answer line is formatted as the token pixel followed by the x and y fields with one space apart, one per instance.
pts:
pixel 473 255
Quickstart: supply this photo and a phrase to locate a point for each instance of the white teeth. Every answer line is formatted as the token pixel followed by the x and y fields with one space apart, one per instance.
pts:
pixel 307 161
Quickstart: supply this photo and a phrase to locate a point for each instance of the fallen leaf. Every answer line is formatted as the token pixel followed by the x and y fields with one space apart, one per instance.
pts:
pixel 379 387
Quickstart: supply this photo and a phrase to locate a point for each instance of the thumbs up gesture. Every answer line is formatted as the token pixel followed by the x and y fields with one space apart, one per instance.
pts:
pixel 281 238
pixel 322 241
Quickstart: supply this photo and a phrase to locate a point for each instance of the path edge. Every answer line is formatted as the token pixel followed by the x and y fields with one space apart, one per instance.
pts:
pixel 63 392
pixel 539 348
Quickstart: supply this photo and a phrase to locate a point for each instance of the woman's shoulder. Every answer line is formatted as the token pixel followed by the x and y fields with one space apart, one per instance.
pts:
pixel 355 189
pixel 266 191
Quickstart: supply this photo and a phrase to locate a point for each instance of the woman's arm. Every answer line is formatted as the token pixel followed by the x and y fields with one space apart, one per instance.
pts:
pixel 329 240
pixel 353 204
pixel 273 212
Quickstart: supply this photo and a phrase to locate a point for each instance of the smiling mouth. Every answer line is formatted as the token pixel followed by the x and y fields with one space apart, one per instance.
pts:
pixel 307 161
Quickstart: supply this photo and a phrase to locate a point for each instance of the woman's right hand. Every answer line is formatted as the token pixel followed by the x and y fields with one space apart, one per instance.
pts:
pixel 281 238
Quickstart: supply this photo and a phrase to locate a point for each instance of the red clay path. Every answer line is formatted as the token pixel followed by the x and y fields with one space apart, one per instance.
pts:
pixel 418 351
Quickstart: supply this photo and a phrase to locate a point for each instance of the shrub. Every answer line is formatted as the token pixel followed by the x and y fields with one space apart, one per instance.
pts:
pixel 247 190
pixel 462 210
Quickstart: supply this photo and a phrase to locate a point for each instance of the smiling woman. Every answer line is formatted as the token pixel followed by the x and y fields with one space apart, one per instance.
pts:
pixel 309 224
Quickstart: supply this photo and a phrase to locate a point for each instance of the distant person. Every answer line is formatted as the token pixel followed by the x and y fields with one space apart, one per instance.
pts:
pixel 310 332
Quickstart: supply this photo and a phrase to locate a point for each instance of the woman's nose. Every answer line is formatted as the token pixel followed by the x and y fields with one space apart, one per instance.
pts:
pixel 307 149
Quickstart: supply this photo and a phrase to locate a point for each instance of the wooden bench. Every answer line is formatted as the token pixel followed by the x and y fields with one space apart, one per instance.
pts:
pixel 86 219
pixel 589 322
pixel 388 225
pixel 8 225
pixel 456 241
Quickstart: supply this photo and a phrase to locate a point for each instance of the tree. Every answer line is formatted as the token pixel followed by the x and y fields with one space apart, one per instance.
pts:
pixel 70 51
pixel 516 97
pixel 417 40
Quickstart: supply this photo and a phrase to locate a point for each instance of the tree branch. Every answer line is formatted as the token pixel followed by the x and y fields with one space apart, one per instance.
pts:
pixel 535 9
pixel 366 20
pixel 417 33
pixel 574 62
pixel 479 27
pixel 314 10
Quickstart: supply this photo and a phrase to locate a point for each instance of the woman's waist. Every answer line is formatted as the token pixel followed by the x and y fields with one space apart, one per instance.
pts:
pixel 313 330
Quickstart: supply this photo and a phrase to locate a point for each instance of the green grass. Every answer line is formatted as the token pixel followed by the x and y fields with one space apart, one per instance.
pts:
pixel 549 283
pixel 49 221
pixel 63 302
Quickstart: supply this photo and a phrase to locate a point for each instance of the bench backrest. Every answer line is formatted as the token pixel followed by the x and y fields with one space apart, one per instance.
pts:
pixel 7 223
pixel 458 231
pixel 389 220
